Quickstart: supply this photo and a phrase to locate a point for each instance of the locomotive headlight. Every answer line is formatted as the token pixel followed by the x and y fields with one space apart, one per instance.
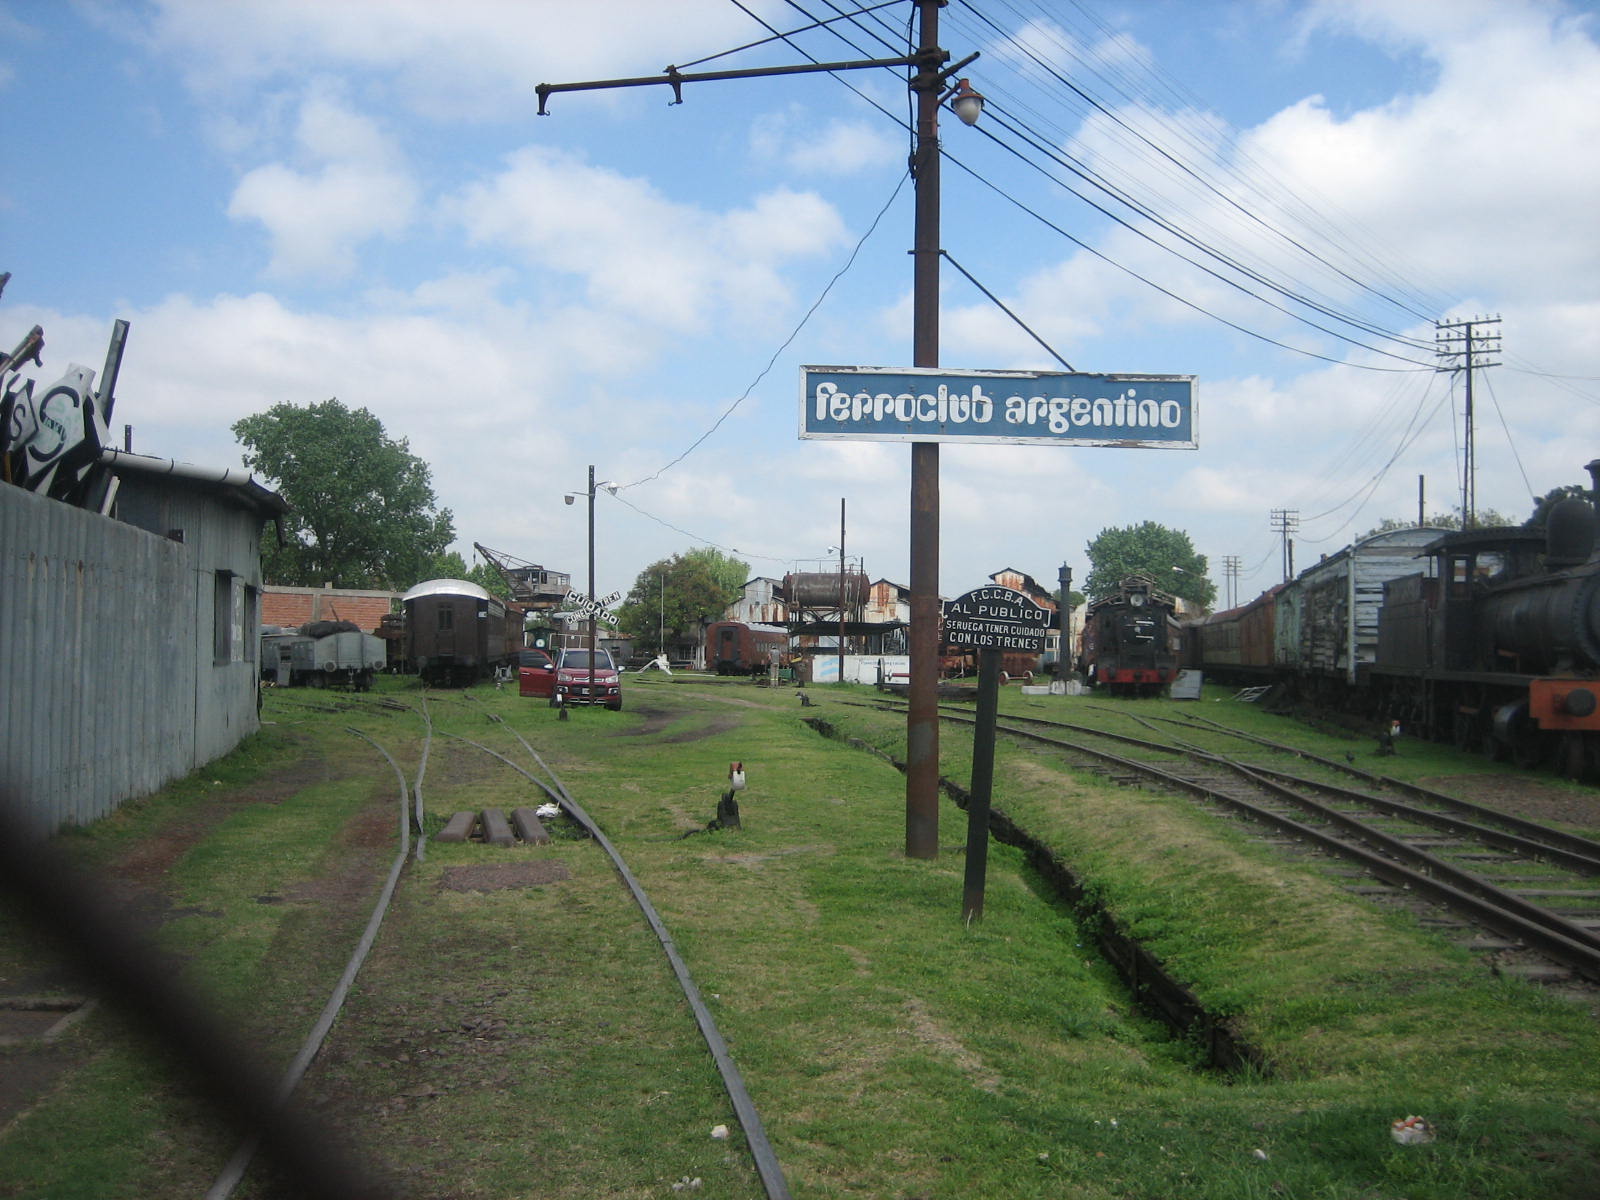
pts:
pixel 1137 600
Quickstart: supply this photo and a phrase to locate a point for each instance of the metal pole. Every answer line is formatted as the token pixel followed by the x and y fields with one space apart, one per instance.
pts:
pixel 841 589
pixel 977 866
pixel 1064 650
pixel 1469 475
pixel 922 714
pixel 591 583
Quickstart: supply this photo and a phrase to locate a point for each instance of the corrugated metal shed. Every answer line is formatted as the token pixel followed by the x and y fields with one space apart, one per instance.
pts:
pixel 1330 625
pixel 129 644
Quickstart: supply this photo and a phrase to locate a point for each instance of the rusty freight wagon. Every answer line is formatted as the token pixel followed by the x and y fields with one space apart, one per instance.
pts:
pixel 737 648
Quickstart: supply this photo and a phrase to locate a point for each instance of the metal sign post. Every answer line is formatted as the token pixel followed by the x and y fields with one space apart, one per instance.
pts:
pixel 982 786
pixel 991 620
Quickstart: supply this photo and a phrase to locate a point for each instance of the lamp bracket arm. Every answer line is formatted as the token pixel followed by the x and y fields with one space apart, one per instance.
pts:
pixel 675 79
pixel 954 69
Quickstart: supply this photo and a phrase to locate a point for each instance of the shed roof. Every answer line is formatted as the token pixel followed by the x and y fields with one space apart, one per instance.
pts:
pixel 239 487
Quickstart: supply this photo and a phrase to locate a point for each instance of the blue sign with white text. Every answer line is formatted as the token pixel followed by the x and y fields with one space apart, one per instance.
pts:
pixel 1054 408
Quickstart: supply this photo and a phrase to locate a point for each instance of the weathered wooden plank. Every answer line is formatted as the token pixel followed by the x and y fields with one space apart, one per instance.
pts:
pixel 528 826
pixel 496 829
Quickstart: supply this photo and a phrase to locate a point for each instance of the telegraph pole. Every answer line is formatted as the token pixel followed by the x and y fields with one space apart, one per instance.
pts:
pixel 1463 346
pixel 929 83
pixel 922 693
pixel 1230 573
pixel 1285 521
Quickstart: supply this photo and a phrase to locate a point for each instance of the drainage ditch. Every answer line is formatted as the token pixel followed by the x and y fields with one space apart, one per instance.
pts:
pixel 1156 993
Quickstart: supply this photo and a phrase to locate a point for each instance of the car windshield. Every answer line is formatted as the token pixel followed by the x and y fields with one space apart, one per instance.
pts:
pixel 580 658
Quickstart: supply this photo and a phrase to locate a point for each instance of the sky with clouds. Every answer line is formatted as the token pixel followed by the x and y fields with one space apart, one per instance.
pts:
pixel 291 200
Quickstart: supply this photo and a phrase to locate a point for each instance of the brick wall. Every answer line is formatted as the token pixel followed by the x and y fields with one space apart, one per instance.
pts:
pixel 292 607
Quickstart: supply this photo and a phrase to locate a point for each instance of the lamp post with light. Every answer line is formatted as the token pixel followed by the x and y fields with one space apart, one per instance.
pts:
pixel 931 84
pixel 571 497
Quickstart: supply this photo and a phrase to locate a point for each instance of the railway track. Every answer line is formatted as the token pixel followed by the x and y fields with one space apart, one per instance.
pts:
pixel 412 842
pixel 1524 895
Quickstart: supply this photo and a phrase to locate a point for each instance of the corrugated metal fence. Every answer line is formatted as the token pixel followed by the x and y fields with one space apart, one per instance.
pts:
pixel 107 662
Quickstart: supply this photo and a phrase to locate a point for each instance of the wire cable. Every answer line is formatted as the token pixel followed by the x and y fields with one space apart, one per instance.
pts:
pixel 794 333
pixel 995 300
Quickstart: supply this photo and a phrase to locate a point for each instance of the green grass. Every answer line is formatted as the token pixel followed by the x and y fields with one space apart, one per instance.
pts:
pixel 529 1042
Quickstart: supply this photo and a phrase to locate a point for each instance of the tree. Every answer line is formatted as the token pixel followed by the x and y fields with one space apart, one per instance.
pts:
pixel 363 505
pixel 677 594
pixel 1167 555
pixel 1543 505
pixel 451 565
pixel 1487 518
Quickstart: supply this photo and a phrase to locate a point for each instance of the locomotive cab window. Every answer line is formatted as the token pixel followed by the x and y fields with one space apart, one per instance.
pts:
pixel 446 617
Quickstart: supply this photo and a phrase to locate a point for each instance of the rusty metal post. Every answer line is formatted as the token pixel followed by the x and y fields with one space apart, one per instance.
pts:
pixel 922 713
pixel 979 794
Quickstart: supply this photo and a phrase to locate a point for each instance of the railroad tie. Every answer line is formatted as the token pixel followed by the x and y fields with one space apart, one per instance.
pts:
pixel 528 826
pixel 458 828
pixel 496 829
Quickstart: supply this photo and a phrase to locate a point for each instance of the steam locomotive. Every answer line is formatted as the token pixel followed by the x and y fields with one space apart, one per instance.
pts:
pixel 1492 642
pixel 1132 642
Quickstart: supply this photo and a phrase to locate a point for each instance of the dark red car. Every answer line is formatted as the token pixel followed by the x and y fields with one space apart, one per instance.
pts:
pixel 536 673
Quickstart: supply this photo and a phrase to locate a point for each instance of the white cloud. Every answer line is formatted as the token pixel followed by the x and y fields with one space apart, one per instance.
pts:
pixel 315 219
pixel 352 188
pixel 839 147
pixel 639 254
pixel 473 58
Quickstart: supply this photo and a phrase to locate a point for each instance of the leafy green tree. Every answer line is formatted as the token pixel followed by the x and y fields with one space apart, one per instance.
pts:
pixel 1543 505
pixel 363 505
pixel 679 593
pixel 1165 554
pixel 729 573
pixel 451 565
pixel 1486 519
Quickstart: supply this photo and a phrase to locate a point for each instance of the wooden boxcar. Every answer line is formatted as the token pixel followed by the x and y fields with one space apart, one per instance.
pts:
pixel 456 633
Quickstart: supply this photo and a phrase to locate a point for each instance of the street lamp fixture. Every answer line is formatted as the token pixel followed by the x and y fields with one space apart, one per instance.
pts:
pixel 966 103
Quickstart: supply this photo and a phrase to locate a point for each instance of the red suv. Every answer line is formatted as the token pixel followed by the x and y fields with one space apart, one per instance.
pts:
pixel 580 681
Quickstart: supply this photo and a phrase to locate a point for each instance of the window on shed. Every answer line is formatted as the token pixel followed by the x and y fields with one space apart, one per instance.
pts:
pixel 228 618
pixel 252 622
